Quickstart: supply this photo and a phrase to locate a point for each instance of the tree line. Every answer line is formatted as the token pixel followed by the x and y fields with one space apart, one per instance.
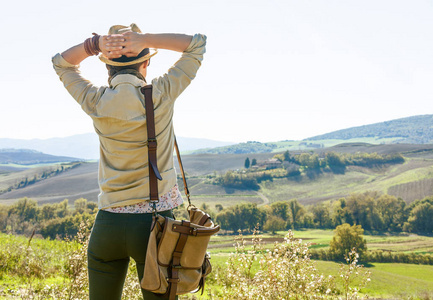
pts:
pixel 373 211
pixel 55 220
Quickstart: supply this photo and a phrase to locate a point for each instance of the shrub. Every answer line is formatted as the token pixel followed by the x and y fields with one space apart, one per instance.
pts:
pixel 347 238
pixel 285 272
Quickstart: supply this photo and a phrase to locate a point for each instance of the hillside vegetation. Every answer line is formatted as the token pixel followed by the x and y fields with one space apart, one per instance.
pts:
pixel 411 130
pixel 411 180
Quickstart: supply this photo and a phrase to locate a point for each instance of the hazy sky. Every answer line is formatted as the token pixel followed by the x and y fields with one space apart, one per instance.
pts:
pixel 274 70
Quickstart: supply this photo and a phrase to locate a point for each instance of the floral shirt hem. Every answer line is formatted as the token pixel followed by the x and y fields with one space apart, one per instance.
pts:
pixel 169 200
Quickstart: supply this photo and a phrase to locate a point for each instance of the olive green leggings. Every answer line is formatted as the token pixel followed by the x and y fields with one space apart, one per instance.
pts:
pixel 115 238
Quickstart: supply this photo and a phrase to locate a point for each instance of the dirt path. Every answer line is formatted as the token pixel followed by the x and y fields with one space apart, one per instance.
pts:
pixel 264 198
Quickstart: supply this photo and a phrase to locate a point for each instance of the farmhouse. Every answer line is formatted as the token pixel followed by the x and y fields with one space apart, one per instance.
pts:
pixel 268 164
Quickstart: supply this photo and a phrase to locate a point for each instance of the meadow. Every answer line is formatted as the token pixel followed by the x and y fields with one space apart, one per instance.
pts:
pixel 49 267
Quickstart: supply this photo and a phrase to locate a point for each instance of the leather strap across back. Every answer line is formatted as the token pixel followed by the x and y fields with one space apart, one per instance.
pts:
pixel 151 144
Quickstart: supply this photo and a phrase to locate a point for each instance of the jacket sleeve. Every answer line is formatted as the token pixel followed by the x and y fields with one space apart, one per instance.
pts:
pixel 82 90
pixel 174 82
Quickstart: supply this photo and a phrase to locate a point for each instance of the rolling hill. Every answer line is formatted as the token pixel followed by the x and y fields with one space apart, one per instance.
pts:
pixel 411 130
pixel 30 157
pixel 410 181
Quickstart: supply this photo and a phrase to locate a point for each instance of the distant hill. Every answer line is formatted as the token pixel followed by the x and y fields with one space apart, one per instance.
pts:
pixel 86 146
pixel 411 130
pixel 30 157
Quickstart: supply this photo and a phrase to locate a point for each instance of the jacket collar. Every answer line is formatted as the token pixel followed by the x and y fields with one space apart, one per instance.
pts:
pixel 125 76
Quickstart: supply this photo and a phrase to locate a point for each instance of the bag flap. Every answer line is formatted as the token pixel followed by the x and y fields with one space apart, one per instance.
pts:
pixel 195 247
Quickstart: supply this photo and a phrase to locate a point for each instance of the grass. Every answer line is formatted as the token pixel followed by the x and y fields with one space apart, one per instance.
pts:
pixel 391 279
pixel 320 238
pixel 387 279
pixel 403 242
pixel 44 260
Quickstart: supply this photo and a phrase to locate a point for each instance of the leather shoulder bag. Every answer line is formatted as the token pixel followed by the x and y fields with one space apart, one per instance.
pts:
pixel 176 259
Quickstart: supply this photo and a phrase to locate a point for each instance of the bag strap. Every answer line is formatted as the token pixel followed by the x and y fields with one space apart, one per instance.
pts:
pixel 189 230
pixel 151 146
pixel 175 263
pixel 183 174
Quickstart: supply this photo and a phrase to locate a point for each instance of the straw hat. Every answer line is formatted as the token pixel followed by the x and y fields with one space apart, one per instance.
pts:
pixel 124 60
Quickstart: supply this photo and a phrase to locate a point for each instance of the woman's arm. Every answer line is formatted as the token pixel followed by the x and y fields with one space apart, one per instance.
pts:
pixel 133 43
pixel 76 54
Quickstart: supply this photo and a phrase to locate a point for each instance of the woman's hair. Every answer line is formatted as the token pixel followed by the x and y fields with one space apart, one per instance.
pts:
pixel 112 70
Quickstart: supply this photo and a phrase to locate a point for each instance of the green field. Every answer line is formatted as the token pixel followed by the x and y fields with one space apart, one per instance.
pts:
pixel 388 280
pixel 320 238
pixel 391 280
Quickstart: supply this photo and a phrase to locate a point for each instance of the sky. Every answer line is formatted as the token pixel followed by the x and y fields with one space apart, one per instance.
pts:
pixel 274 70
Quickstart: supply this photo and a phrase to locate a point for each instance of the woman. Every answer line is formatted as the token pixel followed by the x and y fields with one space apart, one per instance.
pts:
pixel 122 225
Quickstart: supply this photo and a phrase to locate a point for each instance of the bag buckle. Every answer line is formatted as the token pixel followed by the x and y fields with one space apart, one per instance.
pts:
pixel 153 204
pixel 172 279
pixel 152 143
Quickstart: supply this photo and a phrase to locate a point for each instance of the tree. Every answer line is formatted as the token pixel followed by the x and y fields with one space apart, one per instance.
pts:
pixel 392 211
pixel 364 210
pixel 274 223
pixel 241 216
pixel 335 162
pixel 254 162
pixel 47 212
pixel 297 211
pixel 80 206
pixel 287 156
pixel 62 209
pixel 26 209
pixel 345 239
pixel 341 213
pixel 420 219
pixel 281 209
pixel 322 217
pixel 219 207
pixel 247 163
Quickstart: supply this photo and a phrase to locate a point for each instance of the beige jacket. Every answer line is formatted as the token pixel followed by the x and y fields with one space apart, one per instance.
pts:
pixel 118 114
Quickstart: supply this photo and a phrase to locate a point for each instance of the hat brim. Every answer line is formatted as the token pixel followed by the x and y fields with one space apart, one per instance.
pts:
pixel 110 62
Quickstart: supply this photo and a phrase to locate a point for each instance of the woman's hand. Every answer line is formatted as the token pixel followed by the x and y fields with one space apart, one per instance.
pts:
pixel 129 44
pixel 110 45
pixel 133 43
